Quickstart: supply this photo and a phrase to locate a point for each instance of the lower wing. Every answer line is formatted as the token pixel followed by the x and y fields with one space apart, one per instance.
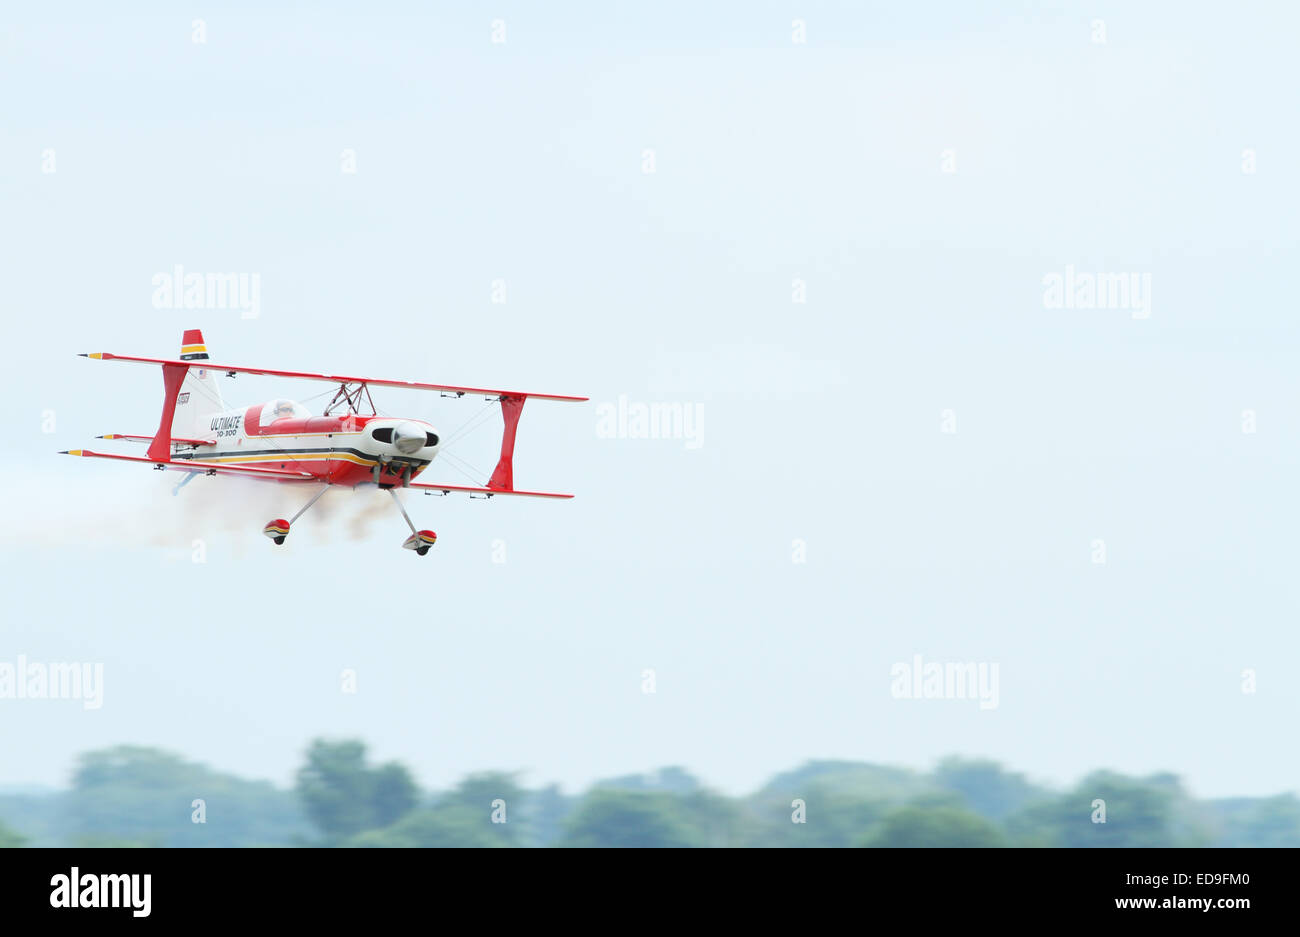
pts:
pixel 275 475
pixel 283 475
pixel 445 489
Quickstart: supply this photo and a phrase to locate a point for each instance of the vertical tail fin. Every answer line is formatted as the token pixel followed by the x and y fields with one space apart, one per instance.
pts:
pixel 199 397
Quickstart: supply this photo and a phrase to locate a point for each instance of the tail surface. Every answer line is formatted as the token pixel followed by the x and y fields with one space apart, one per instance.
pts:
pixel 199 398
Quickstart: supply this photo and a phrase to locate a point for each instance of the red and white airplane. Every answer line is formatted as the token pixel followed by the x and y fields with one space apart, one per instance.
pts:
pixel 280 441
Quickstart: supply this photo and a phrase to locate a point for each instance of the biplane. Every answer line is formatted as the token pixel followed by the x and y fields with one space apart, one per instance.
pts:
pixel 281 441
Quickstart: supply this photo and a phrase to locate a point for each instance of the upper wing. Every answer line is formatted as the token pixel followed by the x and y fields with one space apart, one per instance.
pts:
pixel 187 465
pixel 487 491
pixel 333 378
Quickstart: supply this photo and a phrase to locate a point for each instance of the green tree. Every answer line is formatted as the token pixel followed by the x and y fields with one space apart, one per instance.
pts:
pixel 609 817
pixel 1138 813
pixel 1270 822
pixel 986 787
pixel 483 811
pixel 132 794
pixel 393 793
pixel 842 801
pixel 934 825
pixel 108 841
pixel 9 839
pixel 542 816
pixel 343 795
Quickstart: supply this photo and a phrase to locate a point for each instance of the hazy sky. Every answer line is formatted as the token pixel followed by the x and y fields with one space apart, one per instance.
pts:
pixel 913 175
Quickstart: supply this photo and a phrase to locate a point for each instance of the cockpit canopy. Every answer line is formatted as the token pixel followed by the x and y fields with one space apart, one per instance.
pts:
pixel 274 410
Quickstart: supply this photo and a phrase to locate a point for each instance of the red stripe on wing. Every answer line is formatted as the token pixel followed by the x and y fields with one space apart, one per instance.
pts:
pixel 342 379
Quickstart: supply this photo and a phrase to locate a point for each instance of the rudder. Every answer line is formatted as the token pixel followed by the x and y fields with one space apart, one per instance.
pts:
pixel 199 397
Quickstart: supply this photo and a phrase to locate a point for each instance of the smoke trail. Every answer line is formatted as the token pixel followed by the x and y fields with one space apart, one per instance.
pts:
pixel 135 512
pixel 370 505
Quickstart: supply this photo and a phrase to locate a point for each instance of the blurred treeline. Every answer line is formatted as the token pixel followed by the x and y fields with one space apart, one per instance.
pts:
pixel 130 796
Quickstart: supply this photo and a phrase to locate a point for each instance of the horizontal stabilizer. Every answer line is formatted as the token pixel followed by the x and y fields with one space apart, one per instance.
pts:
pixel 175 441
pixel 192 465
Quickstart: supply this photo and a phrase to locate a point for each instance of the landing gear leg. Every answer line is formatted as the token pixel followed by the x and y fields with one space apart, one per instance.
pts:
pixel 189 477
pixel 420 540
pixel 278 529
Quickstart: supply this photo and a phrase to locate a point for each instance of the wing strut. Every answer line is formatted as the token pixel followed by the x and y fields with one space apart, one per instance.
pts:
pixel 160 450
pixel 503 477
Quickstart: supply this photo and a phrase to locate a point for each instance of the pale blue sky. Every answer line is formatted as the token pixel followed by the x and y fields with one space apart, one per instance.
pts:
pixel 774 161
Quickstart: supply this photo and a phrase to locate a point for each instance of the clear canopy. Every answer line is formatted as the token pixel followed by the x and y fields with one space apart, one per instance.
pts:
pixel 274 410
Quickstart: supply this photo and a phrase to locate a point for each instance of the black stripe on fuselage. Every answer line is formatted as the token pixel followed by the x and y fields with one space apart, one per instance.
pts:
pixel 276 453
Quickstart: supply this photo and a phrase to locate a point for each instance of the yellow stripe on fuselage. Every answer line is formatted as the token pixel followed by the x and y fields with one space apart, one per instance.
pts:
pixel 287 457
